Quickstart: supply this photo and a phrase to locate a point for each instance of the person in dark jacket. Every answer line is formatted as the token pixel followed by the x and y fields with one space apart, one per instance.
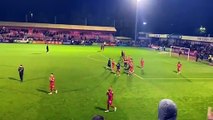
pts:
pixel 47 48
pixel 21 72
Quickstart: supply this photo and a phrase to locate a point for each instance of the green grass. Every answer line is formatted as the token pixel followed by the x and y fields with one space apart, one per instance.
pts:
pixel 82 83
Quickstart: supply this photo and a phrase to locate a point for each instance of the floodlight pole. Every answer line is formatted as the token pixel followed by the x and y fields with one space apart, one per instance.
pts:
pixel 85 21
pixel 26 18
pixel 136 19
pixel 55 20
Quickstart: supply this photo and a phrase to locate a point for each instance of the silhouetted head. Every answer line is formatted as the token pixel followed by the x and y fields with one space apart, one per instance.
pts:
pixel 167 110
pixel 98 117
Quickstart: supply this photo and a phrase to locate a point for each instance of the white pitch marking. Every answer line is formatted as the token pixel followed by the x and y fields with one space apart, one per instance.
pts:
pixel 104 56
pixel 89 56
pixel 138 76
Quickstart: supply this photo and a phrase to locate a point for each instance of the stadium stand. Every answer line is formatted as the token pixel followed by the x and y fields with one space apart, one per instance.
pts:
pixel 201 47
pixel 54 33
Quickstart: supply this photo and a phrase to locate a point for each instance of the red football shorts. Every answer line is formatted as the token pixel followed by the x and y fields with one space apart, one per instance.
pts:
pixel 110 102
pixel 52 86
pixel 178 69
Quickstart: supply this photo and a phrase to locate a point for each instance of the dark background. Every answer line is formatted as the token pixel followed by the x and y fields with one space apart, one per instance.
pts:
pixel 162 16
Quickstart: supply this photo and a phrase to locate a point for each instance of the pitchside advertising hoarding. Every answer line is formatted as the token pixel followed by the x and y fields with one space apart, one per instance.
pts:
pixel 22 41
pixel 47 42
pixel 66 43
pixel 6 41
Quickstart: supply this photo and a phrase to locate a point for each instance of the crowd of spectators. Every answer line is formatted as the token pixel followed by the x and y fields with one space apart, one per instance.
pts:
pixel 202 49
pixel 11 34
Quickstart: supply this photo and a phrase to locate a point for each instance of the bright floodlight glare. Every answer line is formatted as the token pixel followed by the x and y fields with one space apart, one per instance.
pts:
pixel 138 0
pixel 144 23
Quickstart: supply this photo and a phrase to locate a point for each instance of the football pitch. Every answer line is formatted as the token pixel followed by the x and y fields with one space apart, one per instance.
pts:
pixel 82 82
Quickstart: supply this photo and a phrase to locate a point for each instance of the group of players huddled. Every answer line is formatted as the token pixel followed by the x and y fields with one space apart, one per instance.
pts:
pixel 129 69
pixel 128 64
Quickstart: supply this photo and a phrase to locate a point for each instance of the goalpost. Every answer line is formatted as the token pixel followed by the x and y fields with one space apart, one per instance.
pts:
pixel 180 51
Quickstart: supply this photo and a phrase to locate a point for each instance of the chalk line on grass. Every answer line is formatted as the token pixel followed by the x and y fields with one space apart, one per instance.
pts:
pixel 94 59
pixel 138 76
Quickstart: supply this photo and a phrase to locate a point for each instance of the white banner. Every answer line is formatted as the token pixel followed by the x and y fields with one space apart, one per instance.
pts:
pixel 200 39
pixel 158 35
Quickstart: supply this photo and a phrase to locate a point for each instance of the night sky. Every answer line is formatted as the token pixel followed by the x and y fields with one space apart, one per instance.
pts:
pixel 162 16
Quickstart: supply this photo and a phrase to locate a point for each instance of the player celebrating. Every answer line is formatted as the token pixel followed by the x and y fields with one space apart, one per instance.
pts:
pixel 179 66
pixel 52 84
pixel 110 100
pixel 118 69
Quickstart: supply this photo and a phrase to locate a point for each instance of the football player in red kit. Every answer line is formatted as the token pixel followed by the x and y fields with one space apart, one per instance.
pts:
pixel 52 84
pixel 179 66
pixel 113 66
pixel 110 100
pixel 125 60
pixel 131 69
pixel 142 63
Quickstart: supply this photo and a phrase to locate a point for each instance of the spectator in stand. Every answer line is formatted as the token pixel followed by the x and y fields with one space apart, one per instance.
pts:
pixel 197 56
pixel 210 58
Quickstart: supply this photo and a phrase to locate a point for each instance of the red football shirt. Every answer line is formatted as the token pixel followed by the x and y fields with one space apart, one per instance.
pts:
pixel 113 64
pixel 110 95
pixel 179 65
pixel 52 80
pixel 142 63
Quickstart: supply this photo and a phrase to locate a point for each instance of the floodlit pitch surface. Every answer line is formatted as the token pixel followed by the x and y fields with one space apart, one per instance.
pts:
pixel 82 83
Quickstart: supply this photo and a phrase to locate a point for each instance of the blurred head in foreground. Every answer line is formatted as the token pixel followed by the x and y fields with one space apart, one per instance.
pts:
pixel 98 117
pixel 167 110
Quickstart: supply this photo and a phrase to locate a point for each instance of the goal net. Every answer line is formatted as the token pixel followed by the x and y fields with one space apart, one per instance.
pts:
pixel 183 52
